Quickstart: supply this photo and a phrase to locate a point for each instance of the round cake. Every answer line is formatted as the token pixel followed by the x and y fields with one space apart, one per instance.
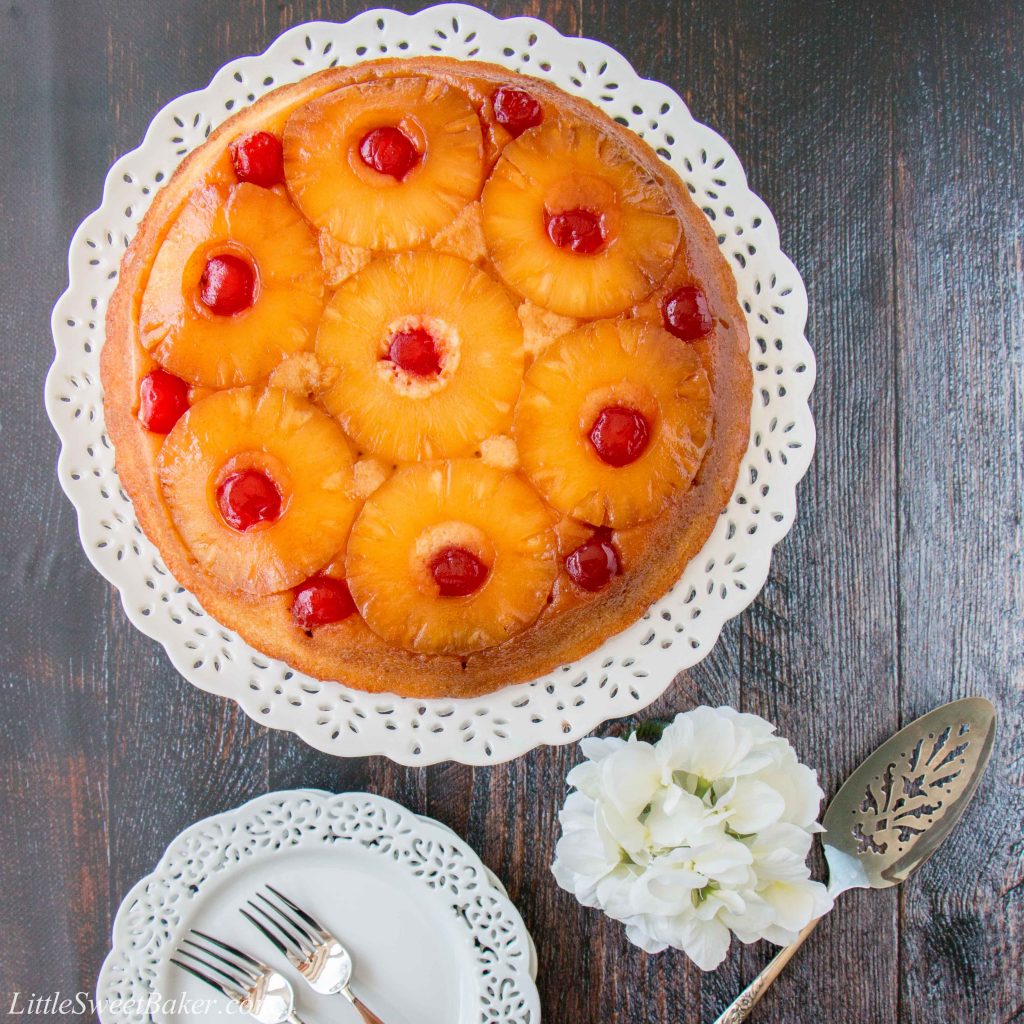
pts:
pixel 425 376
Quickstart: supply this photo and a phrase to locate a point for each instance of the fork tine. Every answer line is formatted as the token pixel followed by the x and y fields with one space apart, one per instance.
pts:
pixel 228 993
pixel 308 918
pixel 312 940
pixel 231 949
pixel 243 976
pixel 296 947
pixel 234 980
pixel 278 944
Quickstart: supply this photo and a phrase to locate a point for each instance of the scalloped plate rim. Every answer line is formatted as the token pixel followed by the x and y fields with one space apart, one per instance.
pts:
pixel 235 814
pixel 772 533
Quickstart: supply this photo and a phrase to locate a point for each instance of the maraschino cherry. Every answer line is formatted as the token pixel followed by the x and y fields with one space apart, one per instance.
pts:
pixel 620 435
pixel 389 150
pixel 228 285
pixel 516 110
pixel 457 572
pixel 593 564
pixel 247 498
pixel 580 231
pixel 163 400
pixel 258 158
pixel 415 351
pixel 321 600
pixel 685 313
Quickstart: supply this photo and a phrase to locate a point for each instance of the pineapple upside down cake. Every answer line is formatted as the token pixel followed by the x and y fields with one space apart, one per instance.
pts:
pixel 425 376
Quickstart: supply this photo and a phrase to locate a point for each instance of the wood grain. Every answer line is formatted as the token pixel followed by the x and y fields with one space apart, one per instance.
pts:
pixel 888 139
pixel 959 371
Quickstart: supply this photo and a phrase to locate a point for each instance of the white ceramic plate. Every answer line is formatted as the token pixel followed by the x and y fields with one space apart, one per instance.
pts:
pixel 630 670
pixel 434 938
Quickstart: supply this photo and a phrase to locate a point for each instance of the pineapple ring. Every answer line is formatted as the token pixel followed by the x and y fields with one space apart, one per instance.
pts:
pixel 430 505
pixel 613 362
pixel 564 165
pixel 386 412
pixel 226 351
pixel 360 206
pixel 299 447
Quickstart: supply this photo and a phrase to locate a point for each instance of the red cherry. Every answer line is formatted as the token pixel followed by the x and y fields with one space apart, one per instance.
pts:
pixel 458 572
pixel 389 150
pixel 247 498
pixel 228 285
pixel 415 352
pixel 163 400
pixel 258 158
pixel 593 564
pixel 321 600
pixel 581 231
pixel 686 315
pixel 620 435
pixel 516 110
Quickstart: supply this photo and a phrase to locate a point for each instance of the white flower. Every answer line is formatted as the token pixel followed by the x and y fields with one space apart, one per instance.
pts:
pixel 696 838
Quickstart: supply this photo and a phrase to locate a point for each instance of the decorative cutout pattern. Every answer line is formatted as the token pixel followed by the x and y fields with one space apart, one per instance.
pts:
pixel 146 929
pixel 630 670
pixel 910 793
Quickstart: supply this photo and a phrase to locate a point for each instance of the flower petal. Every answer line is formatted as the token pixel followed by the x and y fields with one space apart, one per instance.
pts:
pixel 796 904
pixel 630 777
pixel 597 748
pixel 798 786
pixel 752 805
pixel 705 942
pixel 678 818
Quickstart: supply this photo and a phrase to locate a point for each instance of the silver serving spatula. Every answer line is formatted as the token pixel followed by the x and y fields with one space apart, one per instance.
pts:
pixel 894 812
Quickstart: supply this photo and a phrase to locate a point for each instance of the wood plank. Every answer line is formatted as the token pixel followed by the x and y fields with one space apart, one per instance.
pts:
pixel 53 735
pixel 819 643
pixel 960 378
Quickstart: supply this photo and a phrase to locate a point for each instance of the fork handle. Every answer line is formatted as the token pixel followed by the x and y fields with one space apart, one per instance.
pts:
pixel 369 1017
pixel 739 1009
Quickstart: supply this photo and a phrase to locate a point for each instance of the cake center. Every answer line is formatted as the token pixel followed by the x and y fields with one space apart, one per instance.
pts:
pixel 418 354
pixel 415 351
pixel 579 230
pixel 458 572
pixel 388 150
pixel 227 285
pixel 248 497
pixel 452 558
pixel 620 435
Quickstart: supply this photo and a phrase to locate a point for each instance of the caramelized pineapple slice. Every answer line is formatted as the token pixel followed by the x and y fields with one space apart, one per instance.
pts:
pixel 270 313
pixel 574 224
pixel 423 357
pixel 614 421
pixel 386 164
pixel 259 485
pixel 451 557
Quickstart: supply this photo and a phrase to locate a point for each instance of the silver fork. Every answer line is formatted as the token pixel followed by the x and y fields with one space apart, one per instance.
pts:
pixel 317 955
pixel 258 990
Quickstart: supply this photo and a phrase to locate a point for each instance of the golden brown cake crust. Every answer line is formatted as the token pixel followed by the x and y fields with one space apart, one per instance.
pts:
pixel 572 624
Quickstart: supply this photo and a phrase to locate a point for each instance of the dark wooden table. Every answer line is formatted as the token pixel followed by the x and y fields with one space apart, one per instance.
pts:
pixel 889 141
